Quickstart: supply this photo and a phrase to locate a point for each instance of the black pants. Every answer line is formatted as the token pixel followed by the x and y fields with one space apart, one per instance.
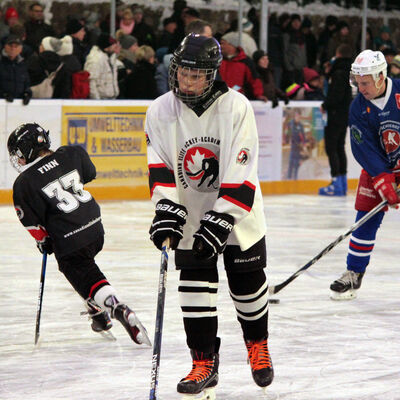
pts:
pixel 335 138
pixel 198 290
pixel 81 270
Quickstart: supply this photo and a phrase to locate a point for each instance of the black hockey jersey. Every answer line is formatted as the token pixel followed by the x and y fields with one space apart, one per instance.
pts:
pixel 50 199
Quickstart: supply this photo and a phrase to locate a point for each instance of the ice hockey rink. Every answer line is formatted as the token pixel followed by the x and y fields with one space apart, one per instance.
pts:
pixel 321 350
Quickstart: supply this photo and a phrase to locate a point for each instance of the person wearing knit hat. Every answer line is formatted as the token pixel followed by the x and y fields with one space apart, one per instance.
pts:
pixel 264 69
pixel 237 69
pixel 11 16
pixel 75 30
pixel 105 41
pixel 73 26
pixel 127 41
pixel 395 68
pixel 101 63
pixel 248 44
pixel 62 47
pixel 127 55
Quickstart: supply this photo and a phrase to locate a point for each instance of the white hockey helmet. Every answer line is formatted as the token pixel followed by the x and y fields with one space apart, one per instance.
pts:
pixel 368 62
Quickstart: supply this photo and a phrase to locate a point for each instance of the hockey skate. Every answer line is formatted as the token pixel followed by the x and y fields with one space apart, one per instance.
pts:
pixel 345 288
pixel 260 362
pixel 129 320
pixel 202 379
pixel 335 188
pixel 101 322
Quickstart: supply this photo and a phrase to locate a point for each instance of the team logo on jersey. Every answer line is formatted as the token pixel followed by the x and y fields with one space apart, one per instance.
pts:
pixel 398 100
pixel 243 156
pixel 20 213
pixel 198 164
pixel 356 134
pixel 391 140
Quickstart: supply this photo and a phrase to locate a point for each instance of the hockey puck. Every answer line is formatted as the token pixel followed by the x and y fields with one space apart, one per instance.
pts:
pixel 274 301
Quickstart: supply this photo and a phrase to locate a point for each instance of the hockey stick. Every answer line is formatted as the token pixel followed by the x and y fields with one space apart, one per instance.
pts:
pixel 327 249
pixel 155 362
pixel 40 297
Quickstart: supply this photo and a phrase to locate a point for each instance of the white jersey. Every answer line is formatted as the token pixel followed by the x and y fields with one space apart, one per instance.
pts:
pixel 207 162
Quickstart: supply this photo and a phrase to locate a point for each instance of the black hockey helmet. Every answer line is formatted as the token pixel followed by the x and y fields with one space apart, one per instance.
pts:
pixel 26 141
pixel 196 53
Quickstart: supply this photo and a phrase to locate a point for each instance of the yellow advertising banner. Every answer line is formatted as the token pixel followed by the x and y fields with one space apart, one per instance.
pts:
pixel 114 139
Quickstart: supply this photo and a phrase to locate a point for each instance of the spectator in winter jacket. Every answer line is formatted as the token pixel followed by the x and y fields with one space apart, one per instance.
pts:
pixel 237 70
pixel 141 83
pixel 142 32
pixel 311 89
pixel 294 52
pixel 101 63
pixel 14 77
pixel 161 75
pixel 337 105
pixel 76 30
pixel 36 28
pixel 324 37
pixel 126 58
pixel 264 69
pixel 341 36
pixel 48 62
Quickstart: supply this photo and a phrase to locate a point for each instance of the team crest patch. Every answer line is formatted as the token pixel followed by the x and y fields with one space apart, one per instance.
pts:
pixel 243 156
pixel 391 140
pixel 20 213
pixel 198 164
pixel 398 100
pixel 356 134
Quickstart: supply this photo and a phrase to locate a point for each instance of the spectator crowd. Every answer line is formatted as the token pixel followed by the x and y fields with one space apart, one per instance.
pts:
pixel 87 62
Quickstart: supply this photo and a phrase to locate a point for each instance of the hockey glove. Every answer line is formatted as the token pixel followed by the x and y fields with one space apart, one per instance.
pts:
pixel 213 234
pixel 385 185
pixel 275 102
pixel 46 245
pixel 168 222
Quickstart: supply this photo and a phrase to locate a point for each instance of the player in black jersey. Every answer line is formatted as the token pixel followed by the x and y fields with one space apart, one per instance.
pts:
pixel 64 218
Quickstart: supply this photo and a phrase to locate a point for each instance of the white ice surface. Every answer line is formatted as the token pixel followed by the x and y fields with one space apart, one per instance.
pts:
pixel 321 350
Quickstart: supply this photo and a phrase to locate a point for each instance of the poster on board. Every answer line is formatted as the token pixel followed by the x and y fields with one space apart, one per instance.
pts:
pixel 114 139
pixel 303 151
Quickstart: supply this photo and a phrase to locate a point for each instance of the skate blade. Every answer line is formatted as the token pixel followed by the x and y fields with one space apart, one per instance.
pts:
pixel 142 336
pixel 348 295
pixel 206 394
pixel 107 335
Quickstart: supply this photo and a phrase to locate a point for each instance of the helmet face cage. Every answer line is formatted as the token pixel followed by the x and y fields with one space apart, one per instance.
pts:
pixel 25 143
pixel 195 75
pixel 371 63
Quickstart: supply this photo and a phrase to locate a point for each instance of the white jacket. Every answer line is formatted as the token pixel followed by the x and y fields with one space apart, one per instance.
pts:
pixel 103 74
pixel 207 163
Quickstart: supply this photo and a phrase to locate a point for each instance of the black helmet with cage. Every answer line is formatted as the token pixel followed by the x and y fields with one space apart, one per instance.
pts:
pixel 198 54
pixel 26 142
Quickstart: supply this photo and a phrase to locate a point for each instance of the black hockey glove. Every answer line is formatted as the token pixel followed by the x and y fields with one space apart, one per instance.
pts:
pixel 213 234
pixel 26 98
pixel 275 102
pixel 286 100
pixel 168 222
pixel 46 245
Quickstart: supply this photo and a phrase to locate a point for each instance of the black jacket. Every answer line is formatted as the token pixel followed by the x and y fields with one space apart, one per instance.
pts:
pixel 339 95
pixel 141 83
pixel 14 77
pixel 35 32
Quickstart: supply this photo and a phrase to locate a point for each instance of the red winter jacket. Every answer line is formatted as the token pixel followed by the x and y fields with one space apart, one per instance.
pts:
pixel 239 73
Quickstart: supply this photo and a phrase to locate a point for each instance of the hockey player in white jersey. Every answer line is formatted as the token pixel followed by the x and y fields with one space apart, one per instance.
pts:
pixel 202 155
